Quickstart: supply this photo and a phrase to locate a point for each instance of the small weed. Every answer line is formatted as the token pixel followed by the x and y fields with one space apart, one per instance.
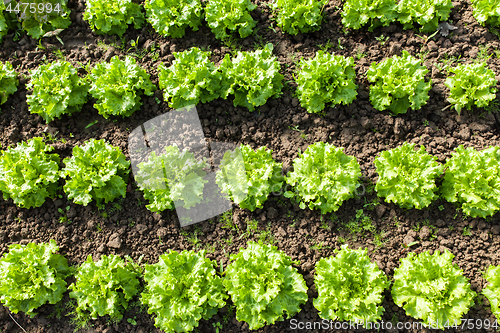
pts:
pixel 441 207
pixel 59 54
pixel 227 220
pixel 327 46
pixel 132 321
pixel 466 231
pixel 267 236
pixel 63 218
pixel 425 122
pixel 341 240
pixel 360 55
pixel 451 227
pixel 193 237
pixel 397 224
pixel 482 55
pixel 98 227
pixel 325 225
pixel 362 223
pixel 319 246
pixel 382 39
pixel 251 228
pixel 377 239
pixel 217 326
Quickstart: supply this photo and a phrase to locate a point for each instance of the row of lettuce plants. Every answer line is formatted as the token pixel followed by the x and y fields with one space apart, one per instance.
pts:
pixel 264 286
pixel 323 177
pixel 398 83
pixel 171 17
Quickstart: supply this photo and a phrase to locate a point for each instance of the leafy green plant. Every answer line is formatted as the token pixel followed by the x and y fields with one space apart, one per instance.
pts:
pixel 253 77
pixel 326 78
pixel 426 13
pixel 492 290
pixel 472 180
pixel 234 15
pixel 118 86
pixel 191 78
pixel 57 90
pixel 486 12
pixel 432 288
pixel 264 286
pixel 472 84
pixel 172 17
pixel 40 18
pixel 103 288
pixel 171 177
pixel 323 177
pixel 32 275
pixel 399 84
pixel 349 287
pixel 357 13
pixel 294 16
pixel 112 16
pixel 249 179
pixel 181 289
pixel 4 28
pixel 28 174
pixel 407 176
pixel 97 171
pixel 8 81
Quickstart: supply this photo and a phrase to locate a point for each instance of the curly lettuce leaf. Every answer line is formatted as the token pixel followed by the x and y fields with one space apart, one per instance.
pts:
pixel 492 290
pixel 472 84
pixel 113 16
pixel 28 174
pixel 432 288
pixel 487 12
pixel 171 177
pixel 32 275
pixel 250 181
pixel 118 86
pixel 326 79
pixel 8 81
pixel 399 83
pixel 357 13
pixel 234 15
pixel 293 16
pixel 263 285
pixel 103 288
pixel 323 177
pixel 4 28
pixel 181 289
pixel 39 22
pixel 191 78
pixel 172 17
pixel 253 77
pixel 57 90
pixel 349 287
pixel 426 13
pixel 96 171
pixel 407 176
pixel 472 179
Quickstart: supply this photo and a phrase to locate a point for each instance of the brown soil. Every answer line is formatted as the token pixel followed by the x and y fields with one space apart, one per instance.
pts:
pixel 362 130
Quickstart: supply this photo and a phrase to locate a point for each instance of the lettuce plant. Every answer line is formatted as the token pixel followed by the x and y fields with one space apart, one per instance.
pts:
pixel 4 28
pixel 32 275
pixel 472 179
pixel 57 90
pixel 96 171
pixel 492 291
pixel 472 84
pixel 349 287
pixel 8 81
pixel 234 15
pixel 326 78
pixel 357 13
pixel 426 13
pixel 41 16
pixel 249 181
pixel 172 17
pixel 487 12
pixel 191 78
pixel 181 289
pixel 28 174
pixel 263 285
pixel 253 77
pixel 171 177
pixel 118 86
pixel 432 288
pixel 113 16
pixel 293 16
pixel 399 83
pixel 323 177
pixel 103 288
pixel 407 176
